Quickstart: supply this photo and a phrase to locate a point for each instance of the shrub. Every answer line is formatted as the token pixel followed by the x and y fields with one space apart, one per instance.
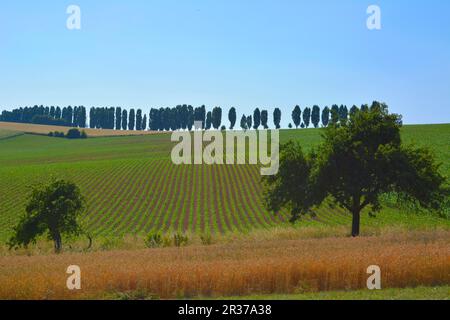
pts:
pixel 56 134
pixel 166 241
pixel 153 240
pixel 73 133
pixel 180 239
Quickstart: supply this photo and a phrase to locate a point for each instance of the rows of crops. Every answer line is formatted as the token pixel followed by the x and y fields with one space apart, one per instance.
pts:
pixel 139 196
pixel 131 186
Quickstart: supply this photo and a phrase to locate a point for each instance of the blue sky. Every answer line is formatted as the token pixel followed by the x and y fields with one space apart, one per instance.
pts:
pixel 244 53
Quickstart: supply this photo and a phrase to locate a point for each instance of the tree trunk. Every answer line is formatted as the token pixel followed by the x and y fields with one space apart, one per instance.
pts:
pixel 355 223
pixel 58 243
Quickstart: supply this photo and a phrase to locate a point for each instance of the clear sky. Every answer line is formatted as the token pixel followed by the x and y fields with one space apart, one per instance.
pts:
pixel 241 53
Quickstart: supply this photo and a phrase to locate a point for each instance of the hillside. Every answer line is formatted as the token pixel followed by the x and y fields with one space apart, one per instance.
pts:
pixel 132 187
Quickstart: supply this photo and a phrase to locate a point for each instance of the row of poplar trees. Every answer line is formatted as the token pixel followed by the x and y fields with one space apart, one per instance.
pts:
pixel 182 117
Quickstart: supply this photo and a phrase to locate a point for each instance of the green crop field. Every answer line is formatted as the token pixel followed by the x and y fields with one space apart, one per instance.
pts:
pixel 8 134
pixel 132 187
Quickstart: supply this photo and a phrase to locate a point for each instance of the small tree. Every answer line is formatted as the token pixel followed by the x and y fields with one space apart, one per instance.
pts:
pixel 296 116
pixel 277 118
pixel 124 119
pixel 353 110
pixel 118 118
pixel 315 116
pixel 249 122
pixel 216 117
pixel 232 117
pixel 358 162
pixel 334 114
pixel 244 122
pixel 139 120
pixel 264 119
pixel 306 117
pixel 343 113
pixel 144 122
pixel 364 107
pixel 208 121
pixel 256 118
pixel 131 120
pixel 52 209
pixel 325 116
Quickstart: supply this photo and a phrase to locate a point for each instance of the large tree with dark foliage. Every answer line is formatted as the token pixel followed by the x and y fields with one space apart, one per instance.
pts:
pixel 53 210
pixel 358 161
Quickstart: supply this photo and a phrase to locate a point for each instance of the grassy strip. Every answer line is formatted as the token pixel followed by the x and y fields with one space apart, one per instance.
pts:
pixel 419 293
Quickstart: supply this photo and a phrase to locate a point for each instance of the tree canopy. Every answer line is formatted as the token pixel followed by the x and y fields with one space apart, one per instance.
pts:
pixel 306 117
pixel 315 116
pixel 277 118
pixel 53 209
pixel 357 162
pixel 232 117
pixel 256 118
pixel 264 119
pixel 216 117
pixel 296 116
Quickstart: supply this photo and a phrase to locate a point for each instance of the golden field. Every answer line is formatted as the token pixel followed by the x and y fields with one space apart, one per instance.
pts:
pixel 44 129
pixel 267 266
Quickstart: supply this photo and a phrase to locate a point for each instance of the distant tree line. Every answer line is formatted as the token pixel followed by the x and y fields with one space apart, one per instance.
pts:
pixel 67 116
pixel 336 114
pixel 181 117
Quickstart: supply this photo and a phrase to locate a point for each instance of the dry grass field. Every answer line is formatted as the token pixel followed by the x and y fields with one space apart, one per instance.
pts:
pixel 44 129
pixel 235 269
